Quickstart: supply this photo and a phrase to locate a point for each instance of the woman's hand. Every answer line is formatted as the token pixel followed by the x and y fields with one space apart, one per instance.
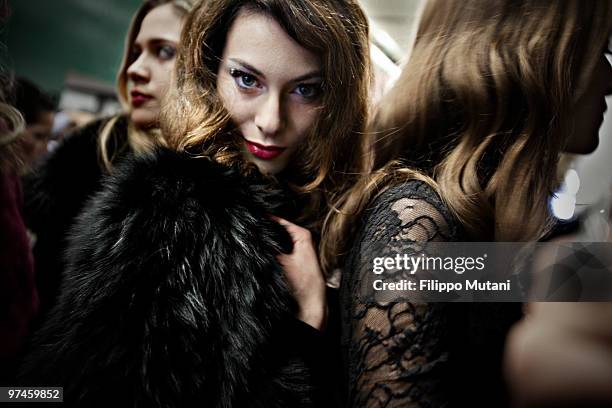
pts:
pixel 304 276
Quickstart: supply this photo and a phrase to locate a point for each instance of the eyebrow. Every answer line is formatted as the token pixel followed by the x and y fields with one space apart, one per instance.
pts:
pixel 157 40
pixel 310 75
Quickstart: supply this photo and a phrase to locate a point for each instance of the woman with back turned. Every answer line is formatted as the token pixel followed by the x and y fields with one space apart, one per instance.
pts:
pixel 468 145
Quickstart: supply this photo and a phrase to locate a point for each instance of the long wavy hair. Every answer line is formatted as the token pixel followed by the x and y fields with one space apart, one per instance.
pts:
pixel 11 152
pixel 482 110
pixel 138 140
pixel 196 121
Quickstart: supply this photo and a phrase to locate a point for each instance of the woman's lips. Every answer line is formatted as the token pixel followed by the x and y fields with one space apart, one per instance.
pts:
pixel 139 98
pixel 264 152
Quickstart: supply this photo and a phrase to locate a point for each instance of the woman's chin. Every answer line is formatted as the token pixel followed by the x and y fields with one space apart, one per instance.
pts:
pixel 583 147
pixel 143 118
pixel 269 167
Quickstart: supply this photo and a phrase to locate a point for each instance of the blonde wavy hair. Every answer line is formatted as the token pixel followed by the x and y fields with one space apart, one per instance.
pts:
pixel 138 140
pixel 196 121
pixel 11 153
pixel 482 110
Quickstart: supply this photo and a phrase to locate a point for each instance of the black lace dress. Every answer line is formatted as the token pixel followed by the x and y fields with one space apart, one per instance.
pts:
pixel 409 354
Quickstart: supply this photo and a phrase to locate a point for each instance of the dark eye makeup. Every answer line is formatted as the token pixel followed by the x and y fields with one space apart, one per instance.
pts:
pixel 243 79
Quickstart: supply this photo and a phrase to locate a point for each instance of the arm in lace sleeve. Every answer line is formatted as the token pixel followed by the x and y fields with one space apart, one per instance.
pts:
pixel 396 352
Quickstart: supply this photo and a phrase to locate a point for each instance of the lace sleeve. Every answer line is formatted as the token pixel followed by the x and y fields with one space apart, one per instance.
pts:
pixel 395 352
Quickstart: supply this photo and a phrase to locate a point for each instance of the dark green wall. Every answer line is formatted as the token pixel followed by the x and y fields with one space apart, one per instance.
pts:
pixel 48 38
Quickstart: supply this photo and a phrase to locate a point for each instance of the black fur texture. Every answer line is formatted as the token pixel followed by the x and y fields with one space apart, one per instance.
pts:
pixel 56 192
pixel 172 296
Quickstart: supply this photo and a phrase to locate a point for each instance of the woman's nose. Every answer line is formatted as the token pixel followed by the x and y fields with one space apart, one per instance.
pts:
pixel 138 71
pixel 269 117
pixel 609 70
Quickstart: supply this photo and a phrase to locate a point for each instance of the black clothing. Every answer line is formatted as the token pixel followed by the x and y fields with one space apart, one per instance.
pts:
pixel 417 354
pixel 56 192
pixel 172 295
pixel 18 297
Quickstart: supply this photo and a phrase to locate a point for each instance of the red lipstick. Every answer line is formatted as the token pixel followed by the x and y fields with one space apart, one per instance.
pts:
pixel 264 152
pixel 139 98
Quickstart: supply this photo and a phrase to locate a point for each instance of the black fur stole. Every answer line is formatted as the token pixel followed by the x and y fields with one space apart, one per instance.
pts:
pixel 172 296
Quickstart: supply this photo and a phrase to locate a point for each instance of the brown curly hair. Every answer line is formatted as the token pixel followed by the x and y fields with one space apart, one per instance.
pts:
pixel 195 119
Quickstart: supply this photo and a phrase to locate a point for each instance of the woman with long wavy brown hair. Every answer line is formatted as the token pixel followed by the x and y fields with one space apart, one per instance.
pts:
pixel 324 166
pixel 466 148
pixel 183 286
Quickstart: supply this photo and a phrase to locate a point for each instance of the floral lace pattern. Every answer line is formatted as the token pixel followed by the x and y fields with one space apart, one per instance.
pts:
pixel 394 350
pixel 401 354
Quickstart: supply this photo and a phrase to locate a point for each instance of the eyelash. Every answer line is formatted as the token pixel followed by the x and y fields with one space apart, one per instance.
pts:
pixel 240 76
pixel 316 91
pixel 165 52
pixel 170 50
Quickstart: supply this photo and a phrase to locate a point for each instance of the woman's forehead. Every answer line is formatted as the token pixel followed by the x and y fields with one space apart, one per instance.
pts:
pixel 161 23
pixel 260 41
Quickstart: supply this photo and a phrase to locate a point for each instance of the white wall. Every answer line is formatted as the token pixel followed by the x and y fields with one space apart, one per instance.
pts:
pixel 595 170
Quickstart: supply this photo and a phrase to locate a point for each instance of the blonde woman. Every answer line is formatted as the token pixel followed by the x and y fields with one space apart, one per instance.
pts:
pixel 468 143
pixel 57 191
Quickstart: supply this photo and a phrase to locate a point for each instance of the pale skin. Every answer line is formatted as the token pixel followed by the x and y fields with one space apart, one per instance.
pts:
pixel 561 353
pixel 271 92
pixel 270 86
pixel 149 75
pixel 304 276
